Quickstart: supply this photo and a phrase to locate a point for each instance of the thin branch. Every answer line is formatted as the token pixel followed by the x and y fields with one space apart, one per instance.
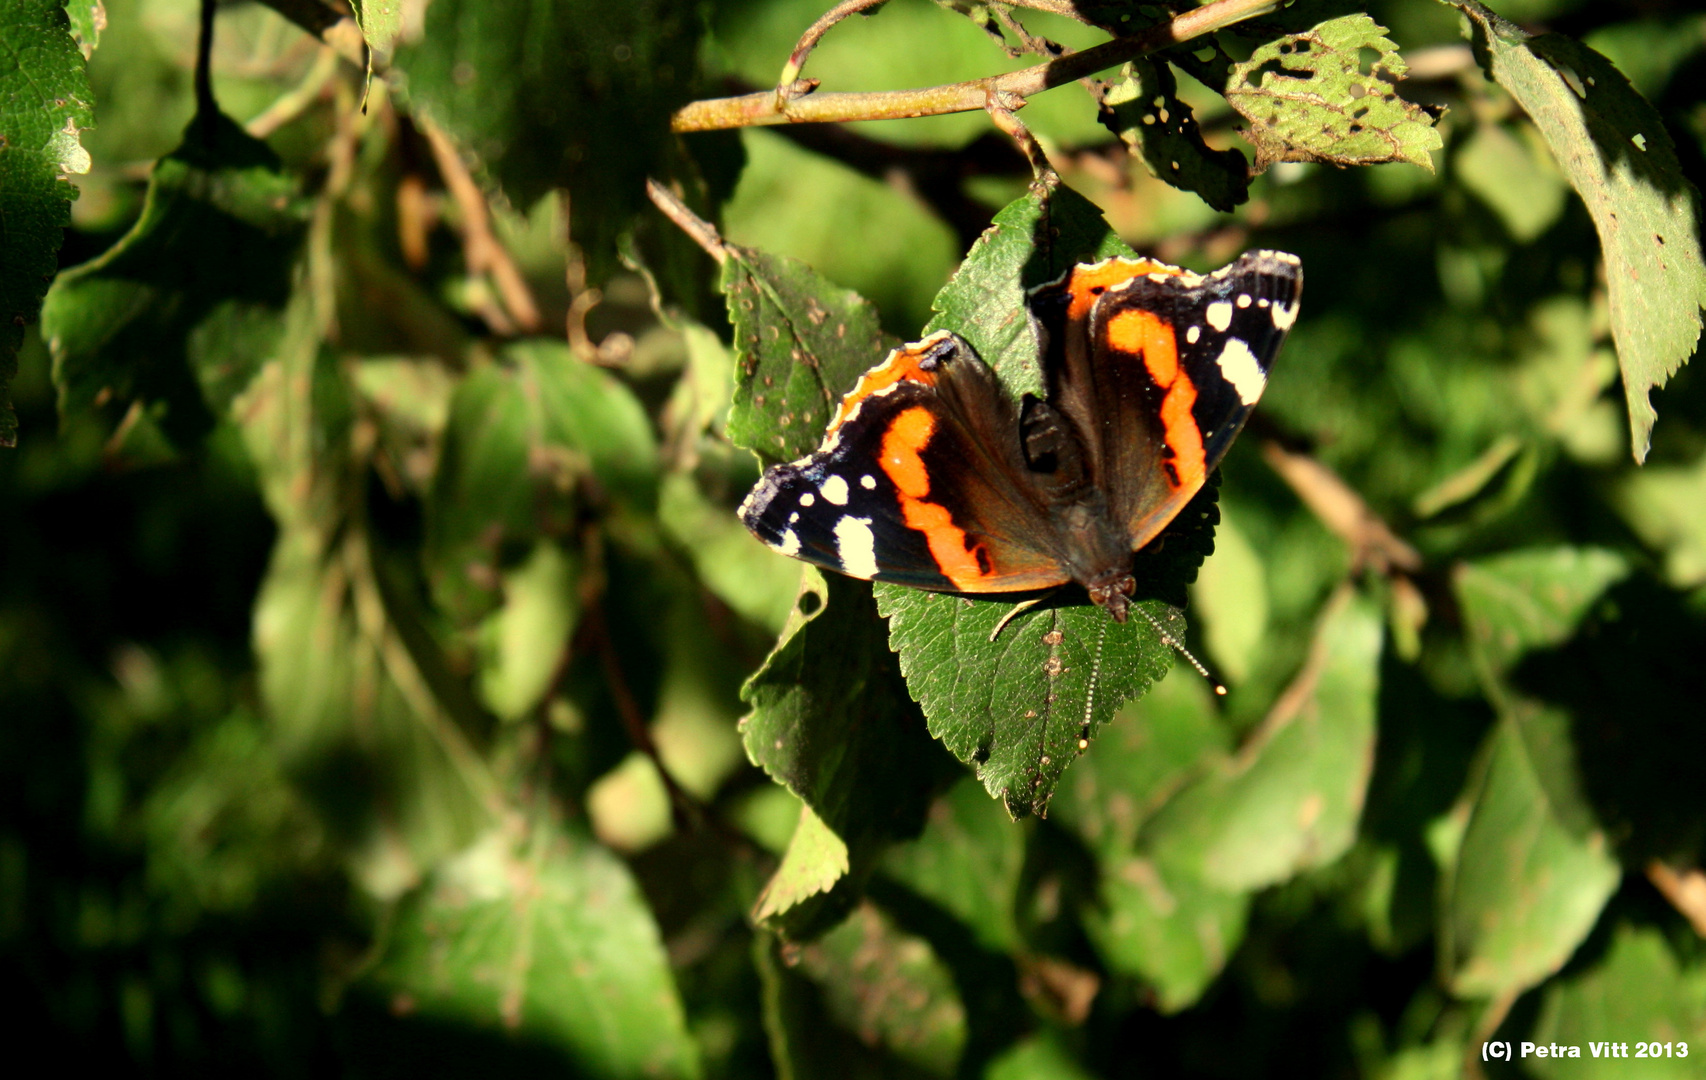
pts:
pixel 296 100
pixel 786 87
pixel 753 110
pixel 1342 511
pixel 1685 889
pixel 484 252
pixel 703 232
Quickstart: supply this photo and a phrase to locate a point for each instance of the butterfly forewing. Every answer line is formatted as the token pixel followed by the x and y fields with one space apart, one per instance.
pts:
pixel 928 422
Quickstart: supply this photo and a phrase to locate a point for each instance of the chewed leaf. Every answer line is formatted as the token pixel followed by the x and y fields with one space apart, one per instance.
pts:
pixel 1143 108
pixel 801 342
pixel 1308 98
pixel 1613 147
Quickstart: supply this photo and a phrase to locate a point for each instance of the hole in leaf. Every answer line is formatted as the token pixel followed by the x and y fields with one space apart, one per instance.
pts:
pixel 810 602
pixel 1368 59
pixel 1639 140
pixel 1358 90
pixel 1574 81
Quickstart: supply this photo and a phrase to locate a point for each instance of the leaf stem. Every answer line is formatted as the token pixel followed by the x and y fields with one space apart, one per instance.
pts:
pixel 768 107
pixel 206 108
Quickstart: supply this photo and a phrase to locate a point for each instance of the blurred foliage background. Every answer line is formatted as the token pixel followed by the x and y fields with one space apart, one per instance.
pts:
pixel 374 618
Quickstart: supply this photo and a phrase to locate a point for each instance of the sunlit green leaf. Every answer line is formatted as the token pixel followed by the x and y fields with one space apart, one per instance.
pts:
pixel 1640 989
pixel 1308 98
pixel 543 937
pixel 1528 600
pixel 800 345
pixel 1164 924
pixel 1292 795
pixel 1613 147
pixel 1528 882
pixel 44 102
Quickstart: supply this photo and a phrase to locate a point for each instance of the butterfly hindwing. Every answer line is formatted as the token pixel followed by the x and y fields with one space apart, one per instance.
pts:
pixel 929 420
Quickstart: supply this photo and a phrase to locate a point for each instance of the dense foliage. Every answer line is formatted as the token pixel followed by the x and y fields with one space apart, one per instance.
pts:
pixel 388 687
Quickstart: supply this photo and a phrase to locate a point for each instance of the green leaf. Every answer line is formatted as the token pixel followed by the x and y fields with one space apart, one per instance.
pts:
pixel 1022 708
pixel 1613 147
pixel 1154 747
pixel 1230 600
pixel 1164 924
pixel 1638 990
pixel 744 574
pixel 1307 98
pixel 1516 603
pixel 381 21
pixel 968 863
pixel 814 861
pixel 1291 797
pixel 176 318
pixel 348 700
pixel 1031 241
pixel 546 938
pixel 1143 108
pixel 88 19
pixel 869 1000
pixel 1511 174
pixel 572 95
pixel 44 102
pixel 800 345
pixel 530 440
pixel 1037 1057
pixel 1528 882
pixel 831 722
pixel 1666 506
pixel 521 644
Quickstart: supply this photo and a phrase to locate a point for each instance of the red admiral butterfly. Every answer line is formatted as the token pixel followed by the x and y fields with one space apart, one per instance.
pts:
pixel 930 475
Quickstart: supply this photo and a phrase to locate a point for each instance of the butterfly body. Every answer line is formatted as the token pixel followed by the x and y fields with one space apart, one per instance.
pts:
pixel 931 475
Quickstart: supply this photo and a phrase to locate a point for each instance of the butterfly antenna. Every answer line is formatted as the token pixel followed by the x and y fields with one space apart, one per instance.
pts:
pixel 1168 639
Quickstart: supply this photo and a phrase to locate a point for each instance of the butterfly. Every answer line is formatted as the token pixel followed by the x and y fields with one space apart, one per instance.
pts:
pixel 931 475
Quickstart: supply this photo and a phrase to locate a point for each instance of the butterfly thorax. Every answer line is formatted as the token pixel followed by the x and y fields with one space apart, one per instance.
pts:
pixel 1091 547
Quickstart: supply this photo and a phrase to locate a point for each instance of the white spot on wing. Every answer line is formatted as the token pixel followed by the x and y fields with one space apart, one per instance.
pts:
pixel 794 518
pixel 807 499
pixel 1243 300
pixel 857 547
pixel 1193 334
pixel 868 482
pixel 788 543
pixel 1239 366
pixel 834 489
pixel 1219 315
pixel 1284 316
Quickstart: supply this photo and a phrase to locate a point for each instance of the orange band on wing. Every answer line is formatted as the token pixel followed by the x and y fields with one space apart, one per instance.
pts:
pixel 1142 334
pixel 902 365
pixel 903 443
pixel 1088 283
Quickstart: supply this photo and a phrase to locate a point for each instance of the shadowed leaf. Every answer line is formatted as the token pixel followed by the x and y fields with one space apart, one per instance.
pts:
pixel 1143 108
pixel 176 318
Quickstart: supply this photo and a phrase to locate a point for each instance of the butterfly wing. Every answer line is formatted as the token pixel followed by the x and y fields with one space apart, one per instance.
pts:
pixel 1159 368
pixel 919 481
